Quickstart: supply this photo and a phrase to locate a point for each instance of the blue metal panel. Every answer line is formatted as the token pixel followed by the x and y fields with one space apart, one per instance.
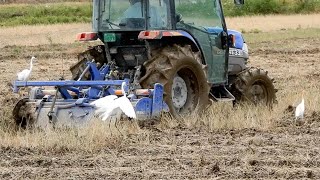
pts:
pixel 93 93
pixel 157 100
pixel 83 102
pixel 75 90
pixel 109 91
pixel 104 70
pixel 143 108
pixel 69 83
pixel 95 73
pixel 64 93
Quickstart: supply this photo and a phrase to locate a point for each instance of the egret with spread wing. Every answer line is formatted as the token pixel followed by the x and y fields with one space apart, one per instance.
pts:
pixel 24 75
pixel 110 105
pixel 300 109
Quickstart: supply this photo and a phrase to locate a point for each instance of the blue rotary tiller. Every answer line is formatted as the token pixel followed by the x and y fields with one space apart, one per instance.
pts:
pixel 68 103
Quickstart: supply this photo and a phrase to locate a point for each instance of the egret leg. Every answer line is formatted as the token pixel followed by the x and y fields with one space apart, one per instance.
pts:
pixel 113 120
pixel 109 121
pixel 117 126
pixel 117 117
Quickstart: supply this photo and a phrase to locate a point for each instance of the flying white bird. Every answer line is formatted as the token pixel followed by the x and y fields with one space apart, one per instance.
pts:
pixel 24 75
pixel 300 109
pixel 110 105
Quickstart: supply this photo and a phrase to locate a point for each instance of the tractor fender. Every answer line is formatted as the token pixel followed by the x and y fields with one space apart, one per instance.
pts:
pixel 171 37
pixel 159 34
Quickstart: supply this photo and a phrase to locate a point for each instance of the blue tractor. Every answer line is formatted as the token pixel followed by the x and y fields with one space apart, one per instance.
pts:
pixel 173 58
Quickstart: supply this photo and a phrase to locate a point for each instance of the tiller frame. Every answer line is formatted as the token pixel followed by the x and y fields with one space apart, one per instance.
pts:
pixel 69 103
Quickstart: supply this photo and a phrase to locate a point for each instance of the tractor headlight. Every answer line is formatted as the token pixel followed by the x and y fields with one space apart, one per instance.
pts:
pixel 245 48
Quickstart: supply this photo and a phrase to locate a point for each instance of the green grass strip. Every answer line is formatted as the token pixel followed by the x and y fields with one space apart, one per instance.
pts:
pixel 27 14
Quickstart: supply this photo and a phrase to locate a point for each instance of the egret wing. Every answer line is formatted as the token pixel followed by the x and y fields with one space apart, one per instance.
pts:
pixel 126 106
pixel 103 101
pixel 105 115
pixel 106 110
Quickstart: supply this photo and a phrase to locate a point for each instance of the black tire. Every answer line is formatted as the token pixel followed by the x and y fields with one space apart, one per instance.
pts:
pixel 171 64
pixel 24 114
pixel 254 86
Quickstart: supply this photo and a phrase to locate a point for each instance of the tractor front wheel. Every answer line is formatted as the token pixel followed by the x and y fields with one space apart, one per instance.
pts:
pixel 255 86
pixel 180 70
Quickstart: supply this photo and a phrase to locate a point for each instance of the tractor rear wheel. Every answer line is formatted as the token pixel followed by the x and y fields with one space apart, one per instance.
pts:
pixel 255 86
pixel 180 70
pixel 97 53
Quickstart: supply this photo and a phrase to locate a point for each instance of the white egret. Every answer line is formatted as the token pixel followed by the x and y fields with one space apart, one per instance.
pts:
pixel 300 109
pixel 24 75
pixel 110 105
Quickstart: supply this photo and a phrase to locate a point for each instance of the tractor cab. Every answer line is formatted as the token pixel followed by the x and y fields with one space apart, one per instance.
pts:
pixel 132 15
pixel 129 26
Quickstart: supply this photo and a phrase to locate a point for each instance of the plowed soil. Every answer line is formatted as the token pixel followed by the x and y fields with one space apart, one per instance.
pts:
pixel 181 154
pixel 285 151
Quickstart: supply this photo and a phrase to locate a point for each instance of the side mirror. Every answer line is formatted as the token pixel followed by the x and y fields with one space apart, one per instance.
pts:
pixel 178 17
pixel 239 2
pixel 222 40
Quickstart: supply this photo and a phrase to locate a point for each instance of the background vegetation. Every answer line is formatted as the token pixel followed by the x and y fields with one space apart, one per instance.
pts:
pixel 25 12
pixel 29 14
pixel 255 7
pixel 252 7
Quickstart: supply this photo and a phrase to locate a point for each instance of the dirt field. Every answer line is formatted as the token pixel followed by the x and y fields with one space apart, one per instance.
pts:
pixel 241 146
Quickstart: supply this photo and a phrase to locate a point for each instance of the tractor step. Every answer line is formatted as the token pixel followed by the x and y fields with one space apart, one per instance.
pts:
pixel 221 94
